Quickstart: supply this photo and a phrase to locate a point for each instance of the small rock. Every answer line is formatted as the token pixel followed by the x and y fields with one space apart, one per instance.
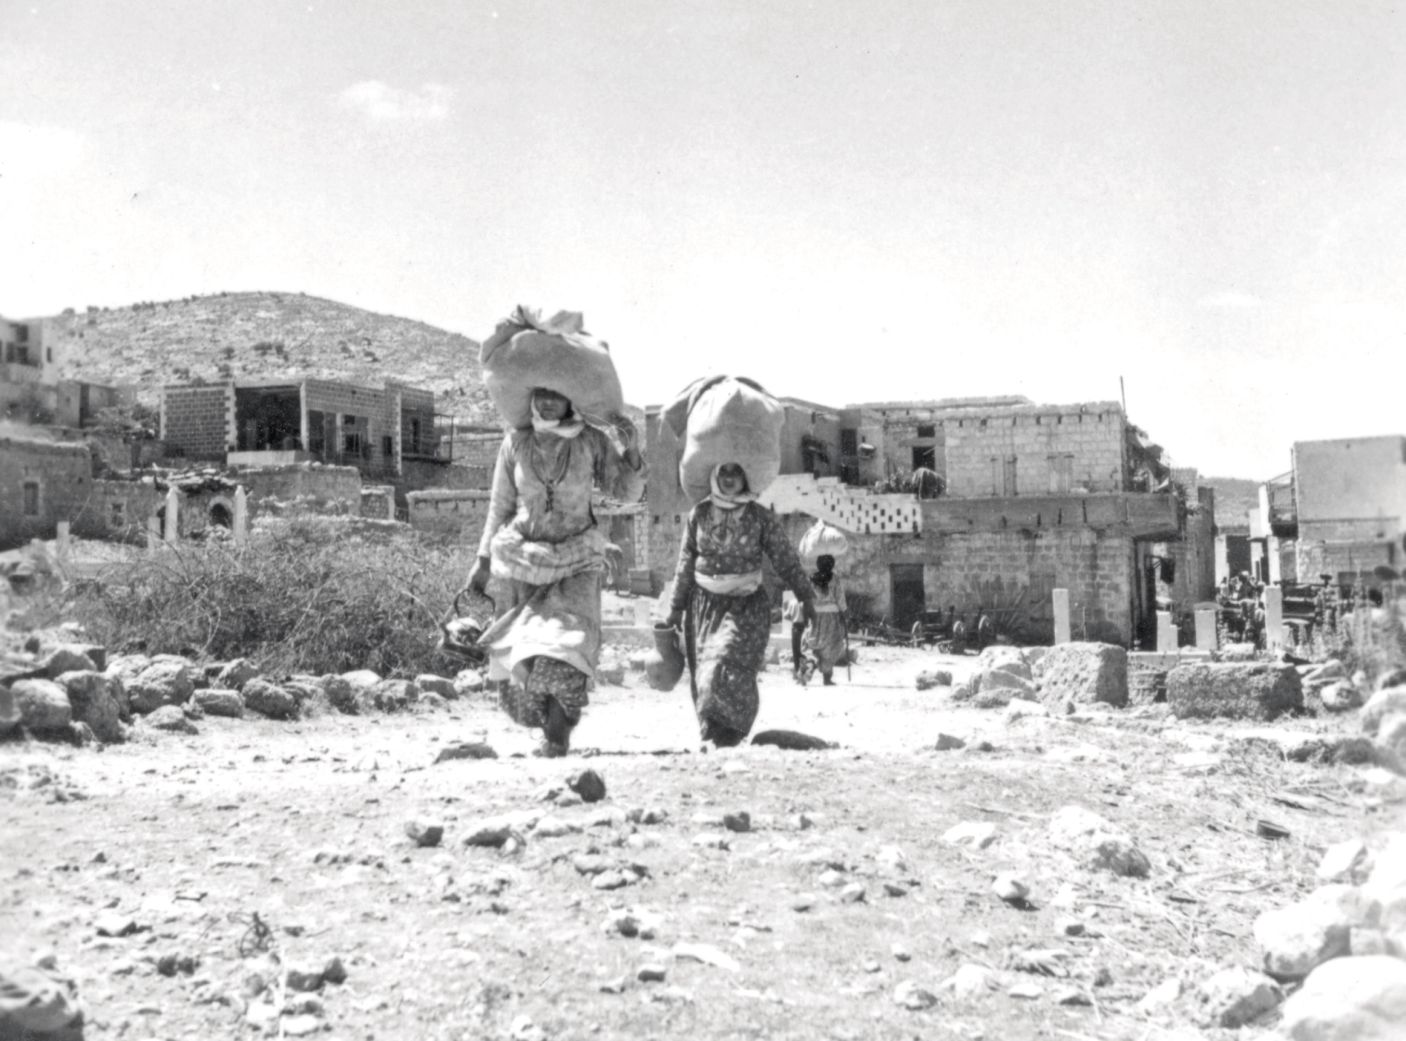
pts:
pixel 1236 996
pixel 651 972
pixel 1026 991
pixel 1069 927
pixel 971 834
pixel 1349 999
pixel 1295 939
pixel 588 784
pixel 555 827
pixel 1160 996
pixel 215 701
pixel 970 981
pixel 804 902
pixel 466 750
pixel 303 976
pixel 523 1029
pixel 913 997
pixel 334 971
pixel 423 833
pixel 930 678
pixel 615 985
pixel 948 743
pixel 1011 888
pixel 707 954
pixel 853 893
pixel 1071 996
pixel 900 952
pixel 739 821
pixel 610 880
pixel 1343 862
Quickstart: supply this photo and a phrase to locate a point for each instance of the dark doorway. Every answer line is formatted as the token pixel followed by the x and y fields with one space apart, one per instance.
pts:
pixel 907 598
pixel 924 457
pixel 220 516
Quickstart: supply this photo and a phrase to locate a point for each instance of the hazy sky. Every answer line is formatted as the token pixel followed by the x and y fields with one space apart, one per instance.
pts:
pixel 847 201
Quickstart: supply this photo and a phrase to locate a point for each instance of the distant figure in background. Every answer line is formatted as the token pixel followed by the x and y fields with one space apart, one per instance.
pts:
pixel 791 614
pixel 722 604
pixel 826 640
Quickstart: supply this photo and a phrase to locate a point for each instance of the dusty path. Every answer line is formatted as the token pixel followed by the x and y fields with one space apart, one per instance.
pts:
pixel 810 924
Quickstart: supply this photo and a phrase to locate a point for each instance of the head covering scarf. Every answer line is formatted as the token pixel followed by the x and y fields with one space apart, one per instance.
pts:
pixel 569 426
pixel 728 502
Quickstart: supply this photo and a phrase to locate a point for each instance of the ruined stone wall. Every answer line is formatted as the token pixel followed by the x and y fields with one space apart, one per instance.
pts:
pixel 304 486
pixel 198 421
pixel 457 514
pixel 41 483
pixel 118 510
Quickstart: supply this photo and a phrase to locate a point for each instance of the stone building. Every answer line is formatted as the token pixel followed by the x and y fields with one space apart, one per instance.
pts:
pixel 31 390
pixel 392 434
pixel 979 505
pixel 1345 509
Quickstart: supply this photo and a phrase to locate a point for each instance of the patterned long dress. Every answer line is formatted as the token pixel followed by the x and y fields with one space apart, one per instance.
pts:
pixel 725 634
pixel 542 538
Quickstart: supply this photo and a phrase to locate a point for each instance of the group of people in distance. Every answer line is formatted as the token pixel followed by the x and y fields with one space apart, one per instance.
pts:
pixel 542 542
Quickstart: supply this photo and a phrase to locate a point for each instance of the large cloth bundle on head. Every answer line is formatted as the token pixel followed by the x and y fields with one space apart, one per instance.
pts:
pixel 528 351
pixel 726 419
pixel 821 539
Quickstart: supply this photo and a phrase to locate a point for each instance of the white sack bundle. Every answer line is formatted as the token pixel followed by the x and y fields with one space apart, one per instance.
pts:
pixel 726 419
pixel 526 351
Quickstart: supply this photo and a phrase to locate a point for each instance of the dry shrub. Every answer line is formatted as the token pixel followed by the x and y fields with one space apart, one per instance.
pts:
pixel 310 594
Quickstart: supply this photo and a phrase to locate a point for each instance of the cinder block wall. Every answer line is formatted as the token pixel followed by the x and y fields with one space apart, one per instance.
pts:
pixel 199 421
pixel 978 445
pixel 365 402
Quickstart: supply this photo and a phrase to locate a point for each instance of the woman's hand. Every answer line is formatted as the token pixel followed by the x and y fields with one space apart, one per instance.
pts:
pixel 675 620
pixel 478 575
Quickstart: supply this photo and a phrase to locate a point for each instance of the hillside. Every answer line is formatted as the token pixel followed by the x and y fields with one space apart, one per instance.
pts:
pixel 1234 497
pixel 266 335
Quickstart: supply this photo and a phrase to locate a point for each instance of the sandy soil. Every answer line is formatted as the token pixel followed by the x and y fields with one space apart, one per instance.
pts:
pixel 255 840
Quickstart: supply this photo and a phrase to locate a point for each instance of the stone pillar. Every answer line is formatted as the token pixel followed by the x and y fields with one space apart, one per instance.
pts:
pixel 173 506
pixel 1062 630
pixel 241 516
pixel 153 533
pixel 61 543
pixel 1273 617
pixel 1206 639
pixel 1166 633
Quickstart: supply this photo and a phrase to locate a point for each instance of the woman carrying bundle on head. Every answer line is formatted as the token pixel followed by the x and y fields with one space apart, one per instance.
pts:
pixel 723 606
pixel 730 431
pixel 540 539
pixel 826 639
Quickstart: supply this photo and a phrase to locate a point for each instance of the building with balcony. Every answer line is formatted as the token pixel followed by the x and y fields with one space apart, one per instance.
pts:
pixel 391 434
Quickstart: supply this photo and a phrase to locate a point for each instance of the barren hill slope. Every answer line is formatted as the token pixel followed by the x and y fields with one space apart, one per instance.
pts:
pixel 263 336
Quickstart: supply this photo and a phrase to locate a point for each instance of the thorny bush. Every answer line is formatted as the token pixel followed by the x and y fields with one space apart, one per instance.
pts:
pixel 304 595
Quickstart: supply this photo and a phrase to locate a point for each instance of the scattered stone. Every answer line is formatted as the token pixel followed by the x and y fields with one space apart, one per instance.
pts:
pixel 1295 939
pixel 588 784
pixel 616 985
pixel 804 902
pixel 971 834
pixel 1161 996
pixel 171 719
pixel 424 833
pixel 900 952
pixel 1021 708
pixel 630 924
pixel 608 880
pixel 234 674
pixel 42 705
pixel 1070 927
pixel 1363 940
pixel 393 695
pixel 1343 862
pixel 303 976
pixel 1083 673
pixel 555 827
pixel 651 972
pixel 1349 999
pixel 831 879
pixel 1233 690
pixel 1386 702
pixel 218 701
pixel 739 821
pixel 466 750
pixel 711 842
pixel 707 954
pixel 334 971
pixel 1026 991
pixel 114 924
pixel 170 964
pixel 854 893
pixel 430 683
pixel 97 700
pixel 970 982
pixel 468 683
pixel 495 831
pixel 1237 996
pixel 1096 843
pixel 66 658
pixel 1341 696
pixel 165 680
pixel 300 1025
pixel 948 743
pixel 913 997
pixel 1011 888
pixel 930 678
pixel 269 699
pixel 792 741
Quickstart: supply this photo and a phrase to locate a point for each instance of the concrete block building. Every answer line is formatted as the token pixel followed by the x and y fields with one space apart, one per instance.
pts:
pixel 979 505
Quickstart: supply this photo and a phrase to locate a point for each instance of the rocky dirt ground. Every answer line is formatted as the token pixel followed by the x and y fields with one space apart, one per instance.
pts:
pixel 749 893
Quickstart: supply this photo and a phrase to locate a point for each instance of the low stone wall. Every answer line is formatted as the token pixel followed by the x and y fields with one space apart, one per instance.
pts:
pixel 1234 690
pixel 1083 673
